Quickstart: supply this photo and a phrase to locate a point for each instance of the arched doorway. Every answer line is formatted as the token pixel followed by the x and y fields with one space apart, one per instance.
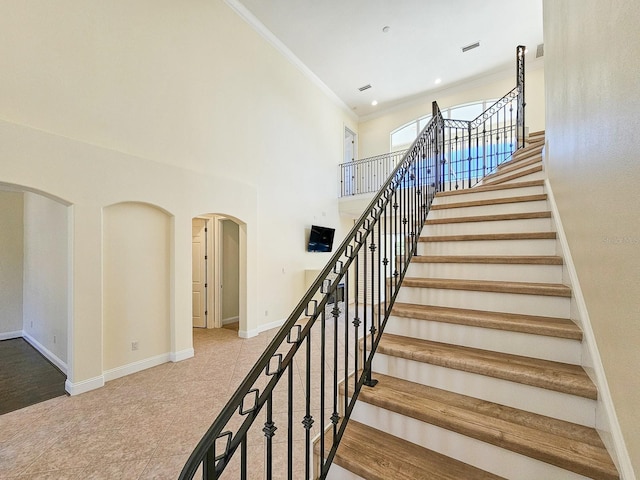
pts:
pixel 218 281
pixel 35 277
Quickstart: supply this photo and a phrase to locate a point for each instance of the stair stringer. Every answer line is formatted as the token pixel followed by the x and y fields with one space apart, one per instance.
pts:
pixel 606 422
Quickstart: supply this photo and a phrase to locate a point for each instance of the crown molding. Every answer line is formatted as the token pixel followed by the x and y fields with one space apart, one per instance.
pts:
pixel 265 33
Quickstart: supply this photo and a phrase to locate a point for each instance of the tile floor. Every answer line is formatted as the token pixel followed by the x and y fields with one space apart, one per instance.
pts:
pixel 144 426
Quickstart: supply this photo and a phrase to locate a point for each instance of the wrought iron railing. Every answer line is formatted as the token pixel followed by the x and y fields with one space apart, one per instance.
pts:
pixel 297 399
pixel 368 174
pixel 472 149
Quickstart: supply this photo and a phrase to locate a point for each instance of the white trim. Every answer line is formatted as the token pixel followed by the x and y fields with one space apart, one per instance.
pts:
pixel 606 419
pixel 227 321
pixel 262 328
pixel 11 335
pixel 48 354
pixel 84 386
pixel 136 367
pixel 265 33
pixel 181 355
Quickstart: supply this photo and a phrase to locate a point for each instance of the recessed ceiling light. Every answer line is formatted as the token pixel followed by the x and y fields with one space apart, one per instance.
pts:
pixel 386 29
pixel 438 80
pixel 374 103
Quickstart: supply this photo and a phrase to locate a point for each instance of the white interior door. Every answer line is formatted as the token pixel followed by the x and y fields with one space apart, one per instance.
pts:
pixel 199 272
pixel 350 154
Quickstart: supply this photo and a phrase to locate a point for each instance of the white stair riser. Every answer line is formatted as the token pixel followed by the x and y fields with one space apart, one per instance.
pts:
pixel 516 343
pixel 336 472
pixel 513 207
pixel 501 226
pixel 477 453
pixel 518 167
pixel 492 271
pixel 540 175
pixel 489 247
pixel 471 195
pixel 541 305
pixel 554 404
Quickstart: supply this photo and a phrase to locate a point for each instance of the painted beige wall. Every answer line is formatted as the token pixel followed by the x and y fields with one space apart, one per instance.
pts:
pixel 592 71
pixel 46 278
pixel 180 105
pixel 11 261
pixel 374 131
pixel 136 287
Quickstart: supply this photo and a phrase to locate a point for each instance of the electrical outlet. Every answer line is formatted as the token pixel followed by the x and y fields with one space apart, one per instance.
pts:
pixel 134 345
pixel 266 313
pixel 54 339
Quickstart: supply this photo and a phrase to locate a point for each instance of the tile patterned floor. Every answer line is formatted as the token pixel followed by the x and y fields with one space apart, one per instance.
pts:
pixel 144 426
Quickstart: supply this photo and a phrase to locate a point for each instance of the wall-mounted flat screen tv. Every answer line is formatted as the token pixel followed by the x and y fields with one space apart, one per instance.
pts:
pixel 320 239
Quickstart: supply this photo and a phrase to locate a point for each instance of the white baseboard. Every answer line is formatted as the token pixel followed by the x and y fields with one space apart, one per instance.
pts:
pixel 260 329
pixel 10 335
pixel 48 354
pixel 181 355
pixel 136 367
pixel 84 386
pixel 607 421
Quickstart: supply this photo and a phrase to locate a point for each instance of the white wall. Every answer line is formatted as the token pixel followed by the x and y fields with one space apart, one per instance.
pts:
pixel 46 279
pixel 136 258
pixel 11 261
pixel 592 71
pixel 180 105
pixel 230 270
pixel 374 131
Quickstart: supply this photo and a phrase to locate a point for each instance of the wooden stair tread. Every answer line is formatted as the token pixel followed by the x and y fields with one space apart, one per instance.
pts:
pixel 490 236
pixel 491 188
pixel 547 326
pixel 513 176
pixel 491 201
pixel 489 218
pixel 566 445
pixel 376 455
pixel 490 259
pixel 525 288
pixel 560 377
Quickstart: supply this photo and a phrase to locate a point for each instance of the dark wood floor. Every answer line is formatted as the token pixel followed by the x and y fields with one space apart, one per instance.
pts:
pixel 26 377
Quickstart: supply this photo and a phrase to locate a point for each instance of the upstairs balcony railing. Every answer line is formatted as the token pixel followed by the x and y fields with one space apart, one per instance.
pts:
pixel 471 149
pixel 297 399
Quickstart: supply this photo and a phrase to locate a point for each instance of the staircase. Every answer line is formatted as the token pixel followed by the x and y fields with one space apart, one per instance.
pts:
pixel 478 370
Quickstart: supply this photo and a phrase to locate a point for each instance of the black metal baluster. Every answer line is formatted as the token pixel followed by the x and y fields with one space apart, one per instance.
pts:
pixel 307 422
pixel 336 314
pixel 347 286
pixel 243 458
pixel 269 431
pixel 290 421
pixel 356 313
pixel 323 364
pixel 365 303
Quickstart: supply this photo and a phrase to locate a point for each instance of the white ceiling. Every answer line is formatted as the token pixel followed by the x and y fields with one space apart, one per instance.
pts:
pixel 342 42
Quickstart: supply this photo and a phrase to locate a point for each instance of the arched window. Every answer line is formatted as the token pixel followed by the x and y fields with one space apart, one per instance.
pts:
pixel 403 136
